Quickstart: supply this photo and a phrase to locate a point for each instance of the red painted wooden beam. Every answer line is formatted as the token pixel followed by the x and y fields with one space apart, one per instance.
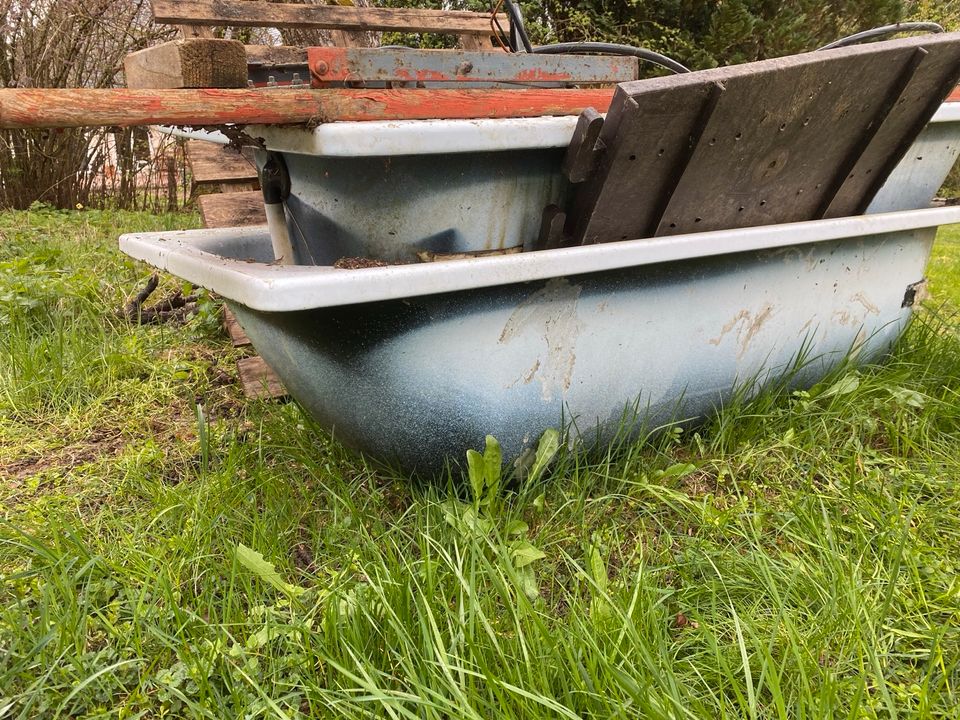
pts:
pixel 52 108
pixel 954 96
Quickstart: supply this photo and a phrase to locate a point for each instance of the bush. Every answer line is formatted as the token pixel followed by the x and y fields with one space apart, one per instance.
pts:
pixel 72 43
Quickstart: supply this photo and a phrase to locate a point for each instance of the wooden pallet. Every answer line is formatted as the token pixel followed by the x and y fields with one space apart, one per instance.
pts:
pixel 232 203
pixel 230 209
pixel 225 182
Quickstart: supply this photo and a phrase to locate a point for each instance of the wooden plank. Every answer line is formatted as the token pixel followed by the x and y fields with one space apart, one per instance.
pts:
pixel 338 65
pixel 258 380
pixel 46 107
pixel 196 31
pixel 231 209
pixel 583 151
pixel 236 333
pixel 213 163
pixel 777 147
pixel 814 143
pixel 191 63
pixel 275 55
pixel 255 13
pixel 779 162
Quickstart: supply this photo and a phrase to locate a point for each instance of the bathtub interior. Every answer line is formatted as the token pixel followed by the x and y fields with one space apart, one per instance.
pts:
pixel 481 186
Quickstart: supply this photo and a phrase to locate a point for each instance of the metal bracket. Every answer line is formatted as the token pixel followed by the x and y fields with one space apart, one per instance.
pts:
pixel 585 147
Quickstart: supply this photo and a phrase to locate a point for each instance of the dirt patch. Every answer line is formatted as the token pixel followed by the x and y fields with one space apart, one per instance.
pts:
pixel 699 483
pixel 15 473
pixel 99 444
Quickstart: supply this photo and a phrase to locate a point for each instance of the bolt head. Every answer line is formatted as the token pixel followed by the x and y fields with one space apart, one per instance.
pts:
pixel 321 67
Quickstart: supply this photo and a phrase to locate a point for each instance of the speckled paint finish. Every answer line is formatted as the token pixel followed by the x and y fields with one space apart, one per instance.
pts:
pixel 416 382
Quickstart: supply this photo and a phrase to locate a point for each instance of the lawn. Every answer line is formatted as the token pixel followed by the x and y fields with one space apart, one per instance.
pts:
pixel 168 549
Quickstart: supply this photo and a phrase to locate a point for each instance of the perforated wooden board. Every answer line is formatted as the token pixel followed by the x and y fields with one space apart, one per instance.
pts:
pixel 776 141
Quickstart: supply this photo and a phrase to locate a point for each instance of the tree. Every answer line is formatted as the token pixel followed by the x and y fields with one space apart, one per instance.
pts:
pixel 707 33
pixel 66 43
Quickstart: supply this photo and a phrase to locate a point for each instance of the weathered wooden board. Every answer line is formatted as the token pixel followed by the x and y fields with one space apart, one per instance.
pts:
pixel 230 209
pixel 776 141
pixel 647 143
pixel 259 381
pixel 196 31
pixel 276 55
pixel 191 63
pixel 476 42
pixel 236 333
pixel 213 163
pixel 785 159
pixel 255 13
pixel 80 107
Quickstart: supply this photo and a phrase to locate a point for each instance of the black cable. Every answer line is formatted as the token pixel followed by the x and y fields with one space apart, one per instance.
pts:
pixel 859 37
pixel 612 49
pixel 519 33
pixel 517 30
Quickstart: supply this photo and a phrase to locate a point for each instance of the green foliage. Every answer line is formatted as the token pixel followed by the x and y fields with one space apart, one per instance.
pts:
pixel 255 563
pixel 484 473
pixel 76 43
pixel 946 13
pixel 705 33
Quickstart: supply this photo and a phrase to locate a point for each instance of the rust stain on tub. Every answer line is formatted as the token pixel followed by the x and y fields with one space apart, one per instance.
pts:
pixel 550 313
pixel 863 300
pixel 748 324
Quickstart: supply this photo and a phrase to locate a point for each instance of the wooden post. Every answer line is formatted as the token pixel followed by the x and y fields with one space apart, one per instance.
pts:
pixel 196 31
pixel 50 108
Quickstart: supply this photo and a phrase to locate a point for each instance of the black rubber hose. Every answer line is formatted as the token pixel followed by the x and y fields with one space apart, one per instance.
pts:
pixel 611 49
pixel 517 30
pixel 930 27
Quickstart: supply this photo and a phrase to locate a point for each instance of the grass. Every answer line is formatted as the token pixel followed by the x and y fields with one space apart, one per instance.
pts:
pixel 169 550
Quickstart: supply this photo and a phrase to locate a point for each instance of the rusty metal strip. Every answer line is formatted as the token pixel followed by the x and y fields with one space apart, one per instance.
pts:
pixel 332 65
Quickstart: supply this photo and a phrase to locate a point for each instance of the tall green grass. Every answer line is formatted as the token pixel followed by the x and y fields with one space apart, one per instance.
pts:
pixel 794 558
